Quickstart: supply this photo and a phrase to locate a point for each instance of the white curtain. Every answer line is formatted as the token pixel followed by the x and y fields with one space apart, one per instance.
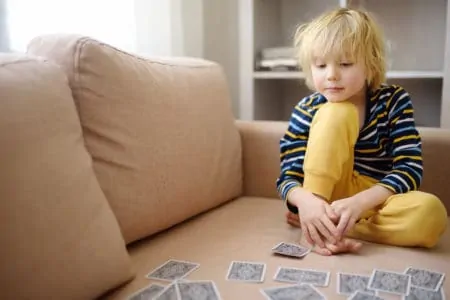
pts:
pixel 111 21
pixel 4 40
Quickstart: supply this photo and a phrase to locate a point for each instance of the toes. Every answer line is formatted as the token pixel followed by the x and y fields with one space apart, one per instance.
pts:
pixel 322 251
pixel 353 246
pixel 294 223
pixel 292 219
pixel 335 248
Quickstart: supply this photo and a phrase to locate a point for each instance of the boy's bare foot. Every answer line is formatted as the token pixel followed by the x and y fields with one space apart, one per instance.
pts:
pixel 292 219
pixel 344 246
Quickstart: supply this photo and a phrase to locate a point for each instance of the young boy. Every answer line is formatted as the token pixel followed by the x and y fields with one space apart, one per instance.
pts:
pixel 351 158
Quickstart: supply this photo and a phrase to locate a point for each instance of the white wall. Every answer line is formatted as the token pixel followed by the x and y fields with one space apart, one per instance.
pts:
pixel 154 27
pixel 192 20
pixel 445 109
pixel 169 27
pixel 4 38
pixel 221 41
pixel 198 28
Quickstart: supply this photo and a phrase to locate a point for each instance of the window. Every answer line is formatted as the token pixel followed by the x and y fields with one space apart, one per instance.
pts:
pixel 111 21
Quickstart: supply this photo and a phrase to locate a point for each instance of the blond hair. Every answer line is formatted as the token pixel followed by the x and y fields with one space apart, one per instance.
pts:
pixel 343 32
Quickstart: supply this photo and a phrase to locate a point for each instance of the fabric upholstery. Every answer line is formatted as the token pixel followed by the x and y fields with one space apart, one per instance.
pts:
pixel 247 229
pixel 161 132
pixel 60 239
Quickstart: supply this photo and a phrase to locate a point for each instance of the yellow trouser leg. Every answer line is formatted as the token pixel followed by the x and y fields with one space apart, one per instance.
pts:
pixel 333 134
pixel 410 219
pixel 414 219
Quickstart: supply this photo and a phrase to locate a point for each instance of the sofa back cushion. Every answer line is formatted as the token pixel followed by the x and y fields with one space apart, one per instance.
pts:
pixel 59 237
pixel 160 131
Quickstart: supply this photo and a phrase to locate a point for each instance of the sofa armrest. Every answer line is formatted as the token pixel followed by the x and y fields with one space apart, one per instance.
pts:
pixel 260 144
pixel 261 157
pixel 436 163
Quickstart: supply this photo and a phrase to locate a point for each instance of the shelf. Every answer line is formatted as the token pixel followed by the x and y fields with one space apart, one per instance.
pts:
pixel 390 75
pixel 269 91
pixel 415 74
pixel 278 75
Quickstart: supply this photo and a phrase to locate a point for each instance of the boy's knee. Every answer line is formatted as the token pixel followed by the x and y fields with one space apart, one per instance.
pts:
pixel 339 111
pixel 430 220
pixel 340 116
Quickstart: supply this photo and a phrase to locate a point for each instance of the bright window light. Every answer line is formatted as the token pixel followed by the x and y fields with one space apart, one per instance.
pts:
pixel 110 21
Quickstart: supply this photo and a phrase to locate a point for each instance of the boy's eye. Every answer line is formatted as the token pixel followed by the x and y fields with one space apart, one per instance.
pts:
pixel 321 66
pixel 347 64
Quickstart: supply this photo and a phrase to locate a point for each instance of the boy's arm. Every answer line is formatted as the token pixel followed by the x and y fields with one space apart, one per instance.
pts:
pixel 406 151
pixel 292 154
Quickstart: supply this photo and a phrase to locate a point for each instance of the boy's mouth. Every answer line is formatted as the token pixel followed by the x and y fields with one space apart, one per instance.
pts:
pixel 334 89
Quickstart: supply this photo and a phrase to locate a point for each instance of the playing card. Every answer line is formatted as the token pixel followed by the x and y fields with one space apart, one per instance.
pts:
pixel 417 293
pixel 425 279
pixel 289 249
pixel 296 275
pixel 348 283
pixel 198 290
pixel 358 295
pixel 148 292
pixel 293 292
pixel 246 271
pixel 170 292
pixel 390 282
pixel 172 270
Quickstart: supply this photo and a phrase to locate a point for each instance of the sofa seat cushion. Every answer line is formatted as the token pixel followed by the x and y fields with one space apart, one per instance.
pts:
pixel 59 237
pixel 246 229
pixel 161 131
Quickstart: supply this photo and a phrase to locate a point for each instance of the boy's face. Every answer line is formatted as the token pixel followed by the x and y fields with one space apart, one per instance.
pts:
pixel 339 79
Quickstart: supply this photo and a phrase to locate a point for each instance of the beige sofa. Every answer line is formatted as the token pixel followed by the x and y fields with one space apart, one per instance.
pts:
pixel 111 164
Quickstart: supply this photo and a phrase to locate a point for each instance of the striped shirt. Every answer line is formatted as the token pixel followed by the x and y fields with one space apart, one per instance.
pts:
pixel 388 147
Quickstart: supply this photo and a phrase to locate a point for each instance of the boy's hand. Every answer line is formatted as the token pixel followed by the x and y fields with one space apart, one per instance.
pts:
pixel 349 211
pixel 316 218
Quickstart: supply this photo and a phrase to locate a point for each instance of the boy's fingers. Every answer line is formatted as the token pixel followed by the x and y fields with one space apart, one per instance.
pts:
pixel 330 226
pixel 306 234
pixel 349 226
pixel 315 236
pixel 342 225
pixel 325 231
pixel 331 214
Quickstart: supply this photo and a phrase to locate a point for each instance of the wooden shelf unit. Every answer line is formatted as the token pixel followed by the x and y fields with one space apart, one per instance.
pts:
pixel 417 33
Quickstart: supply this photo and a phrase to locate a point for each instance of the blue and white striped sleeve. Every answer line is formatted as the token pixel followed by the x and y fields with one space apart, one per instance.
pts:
pixel 406 150
pixel 292 151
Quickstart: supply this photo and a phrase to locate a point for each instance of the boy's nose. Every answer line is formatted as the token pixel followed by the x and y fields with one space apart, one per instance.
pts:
pixel 332 74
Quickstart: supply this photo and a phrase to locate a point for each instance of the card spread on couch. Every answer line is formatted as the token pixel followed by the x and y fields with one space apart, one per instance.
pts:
pixel 189 290
pixel 417 293
pixel 246 271
pixel 173 270
pixel 390 282
pixel 348 283
pixel 426 279
pixel 411 284
pixel 148 292
pixel 289 249
pixel 300 291
pixel 359 295
pixel 296 275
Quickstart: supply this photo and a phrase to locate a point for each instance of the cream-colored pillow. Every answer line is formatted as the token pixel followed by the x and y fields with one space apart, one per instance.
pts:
pixel 161 132
pixel 59 237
